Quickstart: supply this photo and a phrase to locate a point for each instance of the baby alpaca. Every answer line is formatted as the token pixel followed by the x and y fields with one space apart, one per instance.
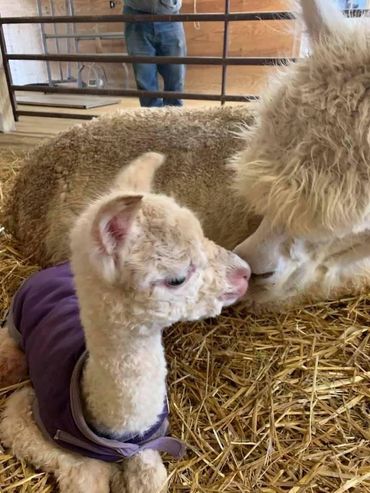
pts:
pixel 96 414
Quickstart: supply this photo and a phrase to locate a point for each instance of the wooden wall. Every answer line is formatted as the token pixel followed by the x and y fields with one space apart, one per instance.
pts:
pixel 254 38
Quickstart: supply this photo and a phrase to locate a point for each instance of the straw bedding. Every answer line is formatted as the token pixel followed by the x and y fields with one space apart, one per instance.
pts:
pixel 273 404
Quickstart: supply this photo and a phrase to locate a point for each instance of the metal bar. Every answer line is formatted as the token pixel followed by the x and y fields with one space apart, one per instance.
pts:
pixel 44 43
pixel 131 93
pixel 190 60
pixel 225 51
pixel 69 31
pixel 8 73
pixel 55 81
pixel 235 16
pixel 74 116
pixel 87 36
pixel 61 75
pixel 72 13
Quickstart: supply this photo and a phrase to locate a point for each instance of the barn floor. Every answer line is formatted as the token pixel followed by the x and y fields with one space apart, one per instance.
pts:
pixel 30 131
pixel 278 404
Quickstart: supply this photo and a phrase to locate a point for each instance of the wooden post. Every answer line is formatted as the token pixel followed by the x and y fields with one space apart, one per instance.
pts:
pixel 7 123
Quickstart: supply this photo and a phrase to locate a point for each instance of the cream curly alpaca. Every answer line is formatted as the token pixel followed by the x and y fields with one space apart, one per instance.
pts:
pixel 140 263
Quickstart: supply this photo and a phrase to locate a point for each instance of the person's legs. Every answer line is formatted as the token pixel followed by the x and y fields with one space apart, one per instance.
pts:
pixel 140 42
pixel 171 41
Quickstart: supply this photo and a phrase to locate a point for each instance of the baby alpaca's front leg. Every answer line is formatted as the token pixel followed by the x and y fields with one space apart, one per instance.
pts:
pixel 19 432
pixel 145 473
pixel 13 366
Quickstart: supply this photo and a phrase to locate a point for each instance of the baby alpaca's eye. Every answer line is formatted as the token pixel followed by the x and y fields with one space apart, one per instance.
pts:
pixel 174 282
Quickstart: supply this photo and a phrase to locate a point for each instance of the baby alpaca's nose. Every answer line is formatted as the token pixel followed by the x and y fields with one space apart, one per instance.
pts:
pixel 239 278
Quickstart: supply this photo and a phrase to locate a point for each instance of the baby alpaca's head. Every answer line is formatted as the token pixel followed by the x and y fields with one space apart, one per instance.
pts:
pixel 142 257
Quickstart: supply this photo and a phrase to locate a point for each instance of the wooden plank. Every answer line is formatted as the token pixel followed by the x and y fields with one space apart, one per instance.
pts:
pixel 240 80
pixel 237 5
pixel 254 39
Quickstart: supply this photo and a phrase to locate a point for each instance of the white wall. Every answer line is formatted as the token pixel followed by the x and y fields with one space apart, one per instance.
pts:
pixel 305 41
pixel 6 113
pixel 23 38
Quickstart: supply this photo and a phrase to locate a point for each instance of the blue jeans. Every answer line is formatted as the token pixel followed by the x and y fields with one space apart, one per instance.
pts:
pixel 156 39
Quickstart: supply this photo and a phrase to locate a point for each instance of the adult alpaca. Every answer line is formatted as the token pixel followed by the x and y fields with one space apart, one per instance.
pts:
pixel 302 167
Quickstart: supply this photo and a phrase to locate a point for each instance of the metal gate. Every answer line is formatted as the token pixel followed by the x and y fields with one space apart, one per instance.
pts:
pixel 224 61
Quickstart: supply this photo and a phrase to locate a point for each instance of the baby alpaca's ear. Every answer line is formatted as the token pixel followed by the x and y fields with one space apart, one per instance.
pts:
pixel 111 228
pixel 139 174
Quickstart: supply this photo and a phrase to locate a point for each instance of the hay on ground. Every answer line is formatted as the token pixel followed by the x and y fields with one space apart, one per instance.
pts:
pixel 278 404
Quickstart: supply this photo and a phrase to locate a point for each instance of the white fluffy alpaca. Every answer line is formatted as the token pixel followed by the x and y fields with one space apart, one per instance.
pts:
pixel 140 263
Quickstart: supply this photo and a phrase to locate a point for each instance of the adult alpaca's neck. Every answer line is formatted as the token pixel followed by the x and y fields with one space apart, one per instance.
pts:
pixel 124 380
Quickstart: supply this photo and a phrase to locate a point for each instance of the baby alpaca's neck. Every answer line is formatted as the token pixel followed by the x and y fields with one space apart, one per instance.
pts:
pixel 124 380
